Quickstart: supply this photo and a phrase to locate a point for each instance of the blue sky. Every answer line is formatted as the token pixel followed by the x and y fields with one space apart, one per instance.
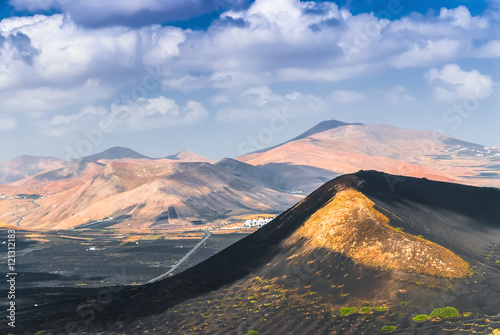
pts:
pixel 79 76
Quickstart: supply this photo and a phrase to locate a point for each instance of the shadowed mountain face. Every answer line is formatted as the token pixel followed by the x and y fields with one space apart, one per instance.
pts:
pixel 346 148
pixel 363 253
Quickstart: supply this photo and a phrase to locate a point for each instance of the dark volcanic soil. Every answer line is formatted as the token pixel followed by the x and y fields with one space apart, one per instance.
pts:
pixel 275 283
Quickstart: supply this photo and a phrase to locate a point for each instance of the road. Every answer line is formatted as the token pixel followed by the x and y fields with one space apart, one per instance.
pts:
pixel 196 247
pixel 21 218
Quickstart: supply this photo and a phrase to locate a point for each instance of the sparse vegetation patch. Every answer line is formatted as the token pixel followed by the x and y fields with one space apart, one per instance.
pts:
pixel 447 312
pixel 387 328
pixel 345 311
pixel 421 318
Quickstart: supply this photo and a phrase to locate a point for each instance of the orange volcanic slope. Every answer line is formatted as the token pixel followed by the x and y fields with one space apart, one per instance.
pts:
pixel 141 191
pixel 347 148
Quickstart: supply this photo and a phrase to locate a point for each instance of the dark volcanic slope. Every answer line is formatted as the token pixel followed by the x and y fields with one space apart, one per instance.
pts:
pixel 353 243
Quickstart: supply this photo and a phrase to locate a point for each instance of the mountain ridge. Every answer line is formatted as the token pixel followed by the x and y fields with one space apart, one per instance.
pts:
pixel 281 274
pixel 347 148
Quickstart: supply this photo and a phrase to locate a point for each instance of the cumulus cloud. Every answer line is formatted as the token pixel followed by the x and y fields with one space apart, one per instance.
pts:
pixel 52 53
pixel 156 113
pixel 452 83
pixel 429 52
pixel 143 114
pixel 271 41
pixel 128 12
pixel 461 17
pixel 263 103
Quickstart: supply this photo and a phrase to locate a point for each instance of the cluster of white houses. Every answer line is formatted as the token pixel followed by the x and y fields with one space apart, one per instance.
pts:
pixel 4 197
pixel 257 223
pixel 21 196
pixel 252 223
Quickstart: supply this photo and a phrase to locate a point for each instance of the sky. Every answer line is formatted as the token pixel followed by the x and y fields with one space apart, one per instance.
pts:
pixel 226 77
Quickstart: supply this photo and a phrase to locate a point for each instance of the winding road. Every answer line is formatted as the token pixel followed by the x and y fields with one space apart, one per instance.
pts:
pixel 196 247
pixel 21 218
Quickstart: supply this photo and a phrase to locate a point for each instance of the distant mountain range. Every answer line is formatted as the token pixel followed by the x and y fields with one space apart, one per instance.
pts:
pixel 347 148
pixel 120 182
pixel 360 255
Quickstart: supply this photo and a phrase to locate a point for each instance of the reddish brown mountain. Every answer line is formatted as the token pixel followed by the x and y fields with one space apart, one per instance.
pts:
pixel 346 148
pixel 142 191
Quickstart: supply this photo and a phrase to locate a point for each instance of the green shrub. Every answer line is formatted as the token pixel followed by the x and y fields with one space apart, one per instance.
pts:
pixel 253 332
pixel 447 312
pixel 421 318
pixel 381 309
pixel 365 309
pixel 387 328
pixel 345 311
pixel 404 303
pixel 498 262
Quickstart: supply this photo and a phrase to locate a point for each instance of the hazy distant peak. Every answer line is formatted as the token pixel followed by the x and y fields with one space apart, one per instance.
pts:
pixel 115 153
pixel 24 166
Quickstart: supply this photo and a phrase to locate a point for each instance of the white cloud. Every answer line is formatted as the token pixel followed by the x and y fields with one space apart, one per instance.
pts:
pixel 156 113
pixel 127 12
pixel 490 49
pixel 76 65
pixel 88 111
pixel 428 52
pixel 263 103
pixel 143 114
pixel 461 17
pixel 347 97
pixel 452 83
pixel 272 41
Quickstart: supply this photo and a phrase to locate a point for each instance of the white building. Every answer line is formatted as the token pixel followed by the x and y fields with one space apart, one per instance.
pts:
pixel 257 223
